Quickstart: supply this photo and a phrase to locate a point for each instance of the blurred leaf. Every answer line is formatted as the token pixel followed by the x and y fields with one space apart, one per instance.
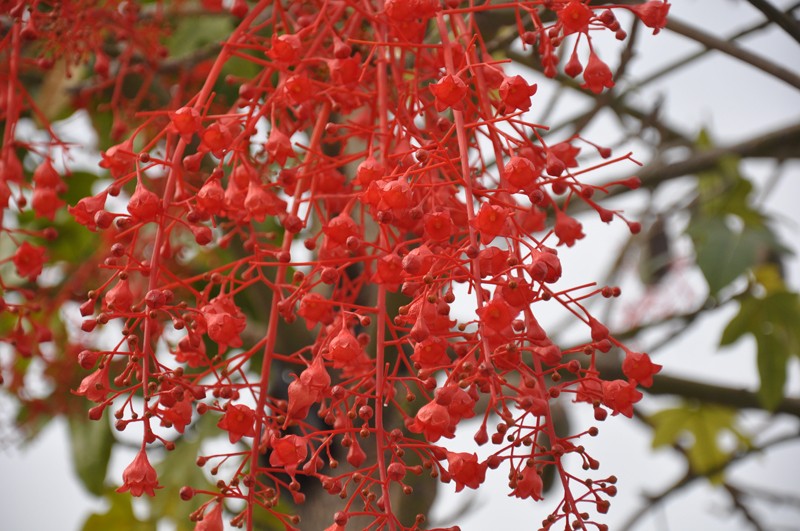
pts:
pixel 704 424
pixel 192 33
pixel 91 443
pixel 773 322
pixel 723 254
pixel 119 517
pixel 179 470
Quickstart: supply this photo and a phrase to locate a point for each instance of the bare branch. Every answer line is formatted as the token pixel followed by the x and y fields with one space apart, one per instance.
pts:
pixel 788 23
pixel 732 49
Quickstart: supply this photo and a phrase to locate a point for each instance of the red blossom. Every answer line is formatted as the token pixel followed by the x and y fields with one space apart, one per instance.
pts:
pixel 597 75
pixel 638 367
pixel 29 260
pixel 450 91
pixel 433 421
pixel 465 469
pixel 85 210
pixel 95 386
pixel 144 205
pixel 224 322
pixel 186 122
pixel 620 396
pixel 516 93
pixel 140 477
pixel 568 229
pixel 212 520
pixel 239 421
pixel 652 13
pixel 119 159
pixel 575 17
pixel 490 222
pixel 288 452
pixel 528 484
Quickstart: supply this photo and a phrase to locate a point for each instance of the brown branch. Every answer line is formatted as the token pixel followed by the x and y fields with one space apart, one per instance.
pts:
pixel 780 144
pixel 732 49
pixel 786 22
pixel 704 392
pixel 690 477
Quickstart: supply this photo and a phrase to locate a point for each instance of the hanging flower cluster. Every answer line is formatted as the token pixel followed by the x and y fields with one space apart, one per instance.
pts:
pixel 373 170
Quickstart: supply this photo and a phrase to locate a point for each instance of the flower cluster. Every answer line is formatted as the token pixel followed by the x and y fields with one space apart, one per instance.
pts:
pixel 296 254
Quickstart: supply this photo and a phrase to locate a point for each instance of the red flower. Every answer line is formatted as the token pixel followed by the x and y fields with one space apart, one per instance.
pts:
pixel 528 484
pixel 29 261
pixel 433 421
pixel 95 386
pixel 144 205
pixel 211 197
pixel 261 203
pixel 568 229
pixel 637 366
pixel 285 48
pixel 545 266
pixel 466 470
pixel 86 208
pixel 516 93
pixel 239 421
pixel 216 138
pixel 490 222
pixel 575 17
pixel 343 349
pixel 430 353
pixel 119 159
pixel 224 321
pixel 186 122
pixel 279 146
pixel 119 298
pixel 212 520
pixel 497 314
pixel 315 308
pixel 521 173
pixel 652 13
pixel 140 477
pixel 620 396
pixel 597 75
pixel 450 91
pixel 438 226
pixel 288 452
pixel 45 202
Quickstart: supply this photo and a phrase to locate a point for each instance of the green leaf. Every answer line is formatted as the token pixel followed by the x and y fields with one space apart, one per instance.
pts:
pixel 724 254
pixel 773 322
pixel 178 470
pixel 703 424
pixel 119 517
pixel 193 33
pixel 91 443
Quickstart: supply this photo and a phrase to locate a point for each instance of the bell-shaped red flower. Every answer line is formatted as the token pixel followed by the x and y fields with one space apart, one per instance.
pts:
pixel 140 477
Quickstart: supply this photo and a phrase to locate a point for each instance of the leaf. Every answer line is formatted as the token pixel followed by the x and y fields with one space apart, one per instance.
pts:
pixel 195 32
pixel 178 470
pixel 773 322
pixel 91 443
pixel 704 424
pixel 724 254
pixel 119 517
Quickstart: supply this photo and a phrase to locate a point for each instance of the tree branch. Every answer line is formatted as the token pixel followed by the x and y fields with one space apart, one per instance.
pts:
pixel 734 50
pixel 694 390
pixel 775 15
pixel 779 144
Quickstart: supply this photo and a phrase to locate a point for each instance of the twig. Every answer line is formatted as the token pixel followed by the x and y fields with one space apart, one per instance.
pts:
pixel 690 477
pixel 774 14
pixel 732 49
